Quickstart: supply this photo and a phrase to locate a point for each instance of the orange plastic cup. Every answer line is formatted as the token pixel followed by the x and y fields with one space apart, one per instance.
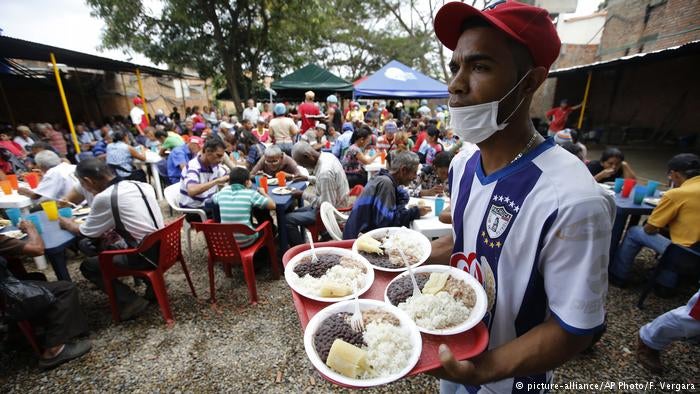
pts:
pixel 263 183
pixel 51 209
pixel 13 181
pixel 32 179
pixel 382 156
pixel 281 180
pixel 6 187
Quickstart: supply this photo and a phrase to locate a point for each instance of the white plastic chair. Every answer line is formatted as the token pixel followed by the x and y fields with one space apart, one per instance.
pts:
pixel 331 219
pixel 172 196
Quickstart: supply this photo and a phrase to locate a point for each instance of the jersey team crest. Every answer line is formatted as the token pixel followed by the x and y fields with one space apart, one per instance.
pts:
pixel 498 220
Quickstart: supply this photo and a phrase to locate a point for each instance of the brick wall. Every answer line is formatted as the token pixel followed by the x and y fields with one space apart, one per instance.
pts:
pixel 669 23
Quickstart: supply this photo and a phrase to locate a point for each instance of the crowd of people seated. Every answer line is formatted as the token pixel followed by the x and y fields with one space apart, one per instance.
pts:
pixel 216 160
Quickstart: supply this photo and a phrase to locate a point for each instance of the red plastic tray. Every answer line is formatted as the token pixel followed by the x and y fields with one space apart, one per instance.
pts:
pixel 463 346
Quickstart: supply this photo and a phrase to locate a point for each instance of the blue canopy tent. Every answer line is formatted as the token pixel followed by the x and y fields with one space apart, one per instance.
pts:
pixel 398 80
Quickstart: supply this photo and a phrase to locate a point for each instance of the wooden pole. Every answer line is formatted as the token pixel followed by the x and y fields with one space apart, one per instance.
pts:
pixel 585 100
pixel 126 95
pixel 65 103
pixel 143 97
pixel 184 103
pixel 7 105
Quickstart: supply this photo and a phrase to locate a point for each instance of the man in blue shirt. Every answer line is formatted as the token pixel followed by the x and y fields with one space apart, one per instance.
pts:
pixel 343 142
pixel 180 156
pixel 383 201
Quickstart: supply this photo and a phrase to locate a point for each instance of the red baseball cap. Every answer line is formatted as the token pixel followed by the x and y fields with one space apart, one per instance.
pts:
pixel 137 100
pixel 526 24
pixel 197 140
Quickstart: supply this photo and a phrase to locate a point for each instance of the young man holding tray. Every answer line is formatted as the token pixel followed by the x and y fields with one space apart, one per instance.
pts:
pixel 529 221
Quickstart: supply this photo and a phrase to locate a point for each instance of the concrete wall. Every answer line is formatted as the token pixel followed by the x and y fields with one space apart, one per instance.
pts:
pixel 668 23
pixel 586 30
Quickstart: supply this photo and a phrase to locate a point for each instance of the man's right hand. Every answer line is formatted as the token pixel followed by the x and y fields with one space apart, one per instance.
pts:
pixel 27 226
pixel 222 180
pixel 606 173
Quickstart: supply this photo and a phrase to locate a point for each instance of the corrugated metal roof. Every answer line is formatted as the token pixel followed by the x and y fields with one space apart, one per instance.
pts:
pixel 690 48
pixel 15 48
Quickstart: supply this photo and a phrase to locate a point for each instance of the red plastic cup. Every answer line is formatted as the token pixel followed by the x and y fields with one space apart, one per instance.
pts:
pixel 13 181
pixel 263 183
pixel 281 180
pixel 32 179
pixel 328 144
pixel 627 187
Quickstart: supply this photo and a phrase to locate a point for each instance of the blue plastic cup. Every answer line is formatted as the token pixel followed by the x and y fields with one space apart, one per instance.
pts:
pixel 65 212
pixel 34 218
pixel 236 155
pixel 651 188
pixel 439 205
pixel 639 193
pixel 257 180
pixel 618 184
pixel 14 214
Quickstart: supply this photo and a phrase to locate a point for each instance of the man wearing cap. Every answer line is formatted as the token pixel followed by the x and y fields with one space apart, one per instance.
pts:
pixel 355 114
pixel 282 129
pixel 385 142
pixel 529 222
pixel 316 137
pixel 308 112
pixel 333 114
pixel 678 210
pixel 138 117
pixel 180 156
pixel 424 110
pixel 251 112
pixel 343 142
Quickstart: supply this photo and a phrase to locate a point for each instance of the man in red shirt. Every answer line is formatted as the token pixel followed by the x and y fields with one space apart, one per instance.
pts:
pixel 557 116
pixel 306 109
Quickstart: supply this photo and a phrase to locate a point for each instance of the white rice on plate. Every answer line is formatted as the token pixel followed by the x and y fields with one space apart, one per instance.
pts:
pixel 388 349
pixel 338 275
pixel 435 311
pixel 409 246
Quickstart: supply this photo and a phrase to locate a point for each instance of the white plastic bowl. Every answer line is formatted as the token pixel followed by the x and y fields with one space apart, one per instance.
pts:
pixel 290 276
pixel 421 239
pixel 478 311
pixel 365 304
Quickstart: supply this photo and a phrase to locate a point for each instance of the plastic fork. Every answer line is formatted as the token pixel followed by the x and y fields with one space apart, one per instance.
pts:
pixel 416 289
pixel 314 258
pixel 357 323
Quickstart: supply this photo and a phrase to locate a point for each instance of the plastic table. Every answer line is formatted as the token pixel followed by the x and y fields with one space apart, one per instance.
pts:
pixel 283 203
pixel 15 200
pixel 430 224
pixel 463 346
pixel 625 207
pixel 55 240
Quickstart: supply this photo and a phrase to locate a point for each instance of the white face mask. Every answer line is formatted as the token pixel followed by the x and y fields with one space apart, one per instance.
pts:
pixel 476 123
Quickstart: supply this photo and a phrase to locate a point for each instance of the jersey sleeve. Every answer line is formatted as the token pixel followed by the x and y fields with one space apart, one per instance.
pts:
pixel 574 262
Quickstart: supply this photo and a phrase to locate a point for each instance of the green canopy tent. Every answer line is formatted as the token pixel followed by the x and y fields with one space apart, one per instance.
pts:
pixel 292 86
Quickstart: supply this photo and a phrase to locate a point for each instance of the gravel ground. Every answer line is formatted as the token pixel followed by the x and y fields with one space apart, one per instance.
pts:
pixel 243 348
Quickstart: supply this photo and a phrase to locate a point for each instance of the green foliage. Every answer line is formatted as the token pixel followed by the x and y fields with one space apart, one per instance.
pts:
pixel 241 40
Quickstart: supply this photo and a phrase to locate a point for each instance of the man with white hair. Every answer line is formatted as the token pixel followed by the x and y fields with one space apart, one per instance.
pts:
pixel 23 137
pixel 274 161
pixel 331 186
pixel 57 179
pixel 251 112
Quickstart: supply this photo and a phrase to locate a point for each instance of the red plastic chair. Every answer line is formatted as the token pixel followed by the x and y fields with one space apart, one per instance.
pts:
pixel 223 248
pixel 27 330
pixel 170 252
pixel 356 190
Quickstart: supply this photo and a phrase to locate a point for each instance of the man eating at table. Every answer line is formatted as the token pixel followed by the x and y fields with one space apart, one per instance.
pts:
pixel 274 161
pixel 383 201
pixel 530 223
pixel 202 177
pixel 57 179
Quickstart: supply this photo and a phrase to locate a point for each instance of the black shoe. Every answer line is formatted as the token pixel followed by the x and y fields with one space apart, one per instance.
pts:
pixel 149 294
pixel 70 351
pixel 617 282
pixel 134 309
